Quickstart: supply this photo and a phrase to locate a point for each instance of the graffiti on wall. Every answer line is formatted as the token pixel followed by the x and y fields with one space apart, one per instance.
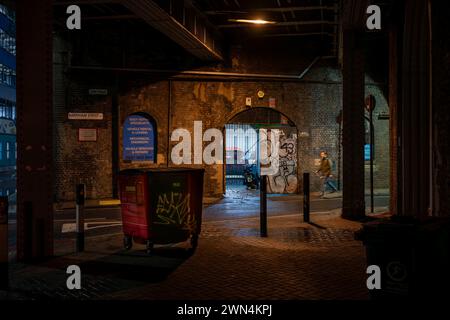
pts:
pixel 285 181
pixel 7 126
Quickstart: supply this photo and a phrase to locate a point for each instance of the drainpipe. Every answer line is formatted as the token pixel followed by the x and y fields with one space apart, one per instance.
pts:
pixel 169 115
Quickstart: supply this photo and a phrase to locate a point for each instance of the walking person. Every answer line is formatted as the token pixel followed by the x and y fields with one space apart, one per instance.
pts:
pixel 325 173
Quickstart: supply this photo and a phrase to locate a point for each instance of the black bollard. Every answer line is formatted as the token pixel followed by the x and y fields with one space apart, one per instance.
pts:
pixel 4 271
pixel 306 199
pixel 80 199
pixel 263 207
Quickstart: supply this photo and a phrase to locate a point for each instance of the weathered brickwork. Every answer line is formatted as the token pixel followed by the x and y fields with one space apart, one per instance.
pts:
pixel 89 163
pixel 381 145
pixel 312 105
pixel 77 162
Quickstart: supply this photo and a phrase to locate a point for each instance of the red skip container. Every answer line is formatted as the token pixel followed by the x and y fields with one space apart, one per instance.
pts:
pixel 161 206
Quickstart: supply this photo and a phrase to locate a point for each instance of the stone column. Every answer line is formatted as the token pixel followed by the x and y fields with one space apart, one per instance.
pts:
pixel 393 117
pixel 34 130
pixel 353 206
pixel 353 24
pixel 414 113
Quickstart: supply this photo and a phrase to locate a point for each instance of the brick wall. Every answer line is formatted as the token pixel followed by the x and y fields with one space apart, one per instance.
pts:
pixel 312 106
pixel 77 162
pixel 381 145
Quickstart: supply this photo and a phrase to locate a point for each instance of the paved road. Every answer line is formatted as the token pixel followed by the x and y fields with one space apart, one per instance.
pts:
pixel 107 220
pixel 99 221
pixel 244 205
pixel 298 261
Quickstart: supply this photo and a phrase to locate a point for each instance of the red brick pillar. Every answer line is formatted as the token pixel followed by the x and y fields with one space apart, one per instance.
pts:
pixel 414 113
pixel 34 130
pixel 393 118
pixel 353 206
pixel 353 25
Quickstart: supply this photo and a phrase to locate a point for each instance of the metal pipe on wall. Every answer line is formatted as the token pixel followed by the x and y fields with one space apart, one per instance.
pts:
pixel 192 75
pixel 179 73
pixel 169 112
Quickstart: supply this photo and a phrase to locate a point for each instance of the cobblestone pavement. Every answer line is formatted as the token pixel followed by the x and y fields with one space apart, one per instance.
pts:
pixel 296 261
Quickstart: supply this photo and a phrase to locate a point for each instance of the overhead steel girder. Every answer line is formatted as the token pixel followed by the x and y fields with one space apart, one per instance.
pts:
pixel 198 38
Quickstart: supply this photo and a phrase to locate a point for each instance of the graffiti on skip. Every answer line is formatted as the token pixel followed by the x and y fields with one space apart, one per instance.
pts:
pixel 173 209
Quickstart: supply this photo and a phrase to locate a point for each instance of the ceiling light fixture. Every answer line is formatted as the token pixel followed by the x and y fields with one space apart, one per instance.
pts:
pixel 255 21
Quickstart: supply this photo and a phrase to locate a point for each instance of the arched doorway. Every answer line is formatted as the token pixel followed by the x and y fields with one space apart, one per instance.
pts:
pixel 243 135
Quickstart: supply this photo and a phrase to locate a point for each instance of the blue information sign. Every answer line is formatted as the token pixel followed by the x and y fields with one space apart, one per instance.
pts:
pixel 367 152
pixel 138 139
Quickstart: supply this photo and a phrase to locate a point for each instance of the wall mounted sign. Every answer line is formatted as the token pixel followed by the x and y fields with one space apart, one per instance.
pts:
pixel 138 139
pixel 248 102
pixel 383 116
pixel 85 116
pixel 367 152
pixel 98 92
pixel 304 134
pixel 87 134
pixel 272 103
